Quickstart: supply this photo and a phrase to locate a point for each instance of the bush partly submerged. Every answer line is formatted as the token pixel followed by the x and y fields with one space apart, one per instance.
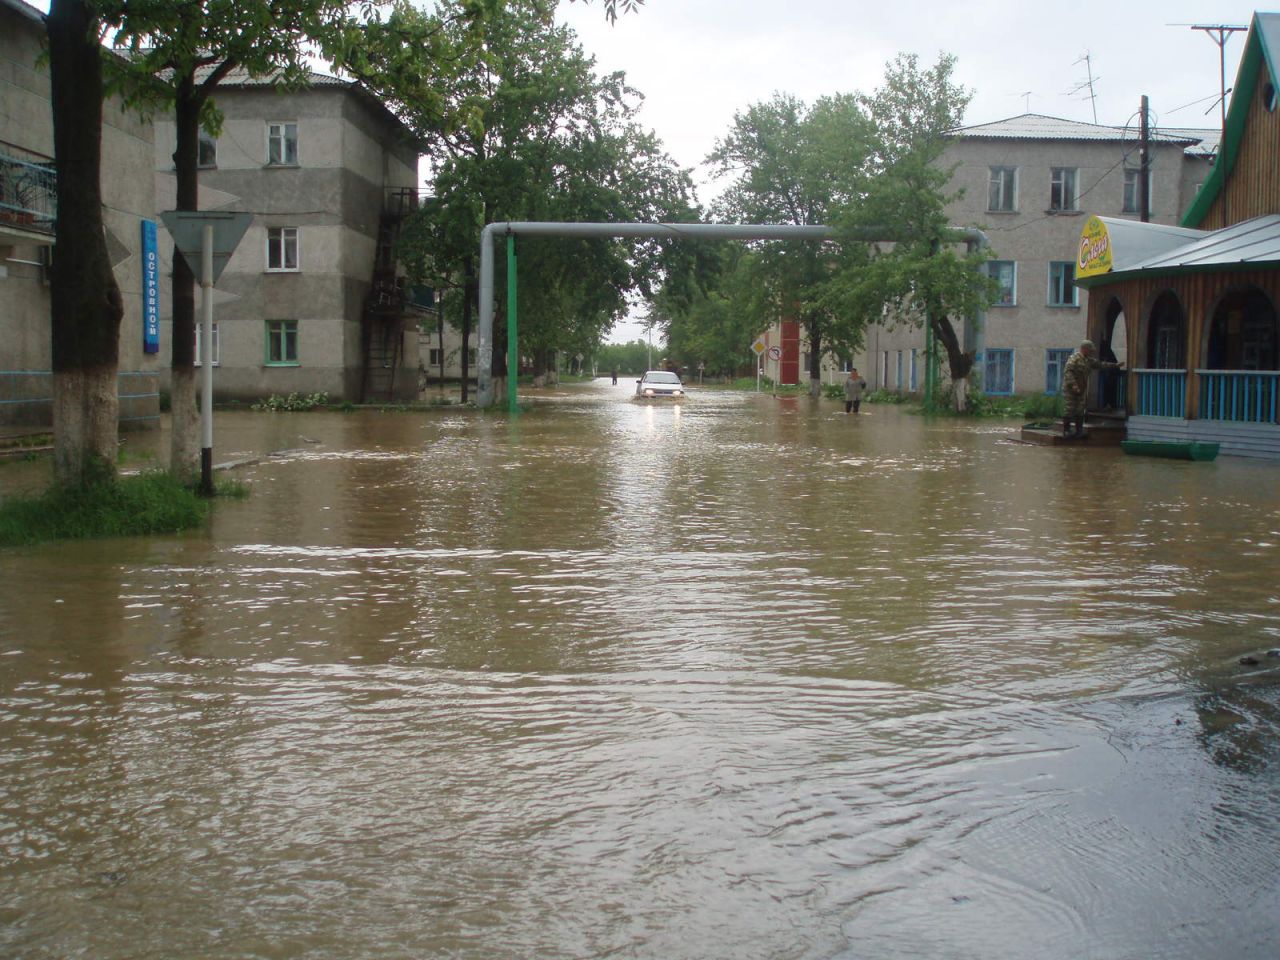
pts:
pixel 148 503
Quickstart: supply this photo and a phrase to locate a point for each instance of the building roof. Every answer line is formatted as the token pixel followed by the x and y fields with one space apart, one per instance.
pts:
pixel 1247 245
pixel 1261 52
pixel 1037 126
pixel 24 9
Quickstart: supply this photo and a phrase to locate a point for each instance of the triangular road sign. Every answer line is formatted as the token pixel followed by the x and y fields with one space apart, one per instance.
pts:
pixel 187 229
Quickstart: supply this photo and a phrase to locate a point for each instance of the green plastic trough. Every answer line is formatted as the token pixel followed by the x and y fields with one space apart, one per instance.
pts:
pixel 1171 449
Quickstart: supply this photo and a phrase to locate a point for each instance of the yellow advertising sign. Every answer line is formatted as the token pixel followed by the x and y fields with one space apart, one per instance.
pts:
pixel 1095 249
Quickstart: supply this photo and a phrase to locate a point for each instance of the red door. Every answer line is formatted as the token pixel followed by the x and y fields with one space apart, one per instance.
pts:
pixel 789 367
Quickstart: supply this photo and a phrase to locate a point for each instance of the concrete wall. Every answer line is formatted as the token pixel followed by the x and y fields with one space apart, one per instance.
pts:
pixel 349 155
pixel 26 124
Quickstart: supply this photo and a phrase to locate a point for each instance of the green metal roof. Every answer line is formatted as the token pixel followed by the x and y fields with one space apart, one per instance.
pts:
pixel 1261 46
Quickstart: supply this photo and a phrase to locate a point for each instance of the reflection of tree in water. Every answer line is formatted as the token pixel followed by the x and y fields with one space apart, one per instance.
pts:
pixel 1240 724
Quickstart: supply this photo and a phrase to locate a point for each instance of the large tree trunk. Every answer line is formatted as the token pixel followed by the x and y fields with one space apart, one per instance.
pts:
pixel 959 362
pixel 815 356
pixel 86 307
pixel 184 435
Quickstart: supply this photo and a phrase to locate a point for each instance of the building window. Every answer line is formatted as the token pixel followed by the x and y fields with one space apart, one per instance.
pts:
pixel 899 383
pixel 217 347
pixel 282 248
pixel 471 357
pixel 1006 274
pixel 1062 189
pixel 914 369
pixel 997 376
pixel 282 144
pixel 282 343
pixel 435 356
pixel 1062 283
pixel 884 368
pixel 206 151
pixel 1132 189
pixel 1054 361
pixel 1001 189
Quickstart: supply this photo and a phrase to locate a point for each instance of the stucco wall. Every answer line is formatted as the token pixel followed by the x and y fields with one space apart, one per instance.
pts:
pixel 26 123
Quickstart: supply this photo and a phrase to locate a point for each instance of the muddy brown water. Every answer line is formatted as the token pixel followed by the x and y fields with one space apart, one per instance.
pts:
pixel 739 678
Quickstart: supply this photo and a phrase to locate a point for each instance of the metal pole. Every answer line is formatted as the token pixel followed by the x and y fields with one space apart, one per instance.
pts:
pixel 206 357
pixel 513 340
pixel 1144 163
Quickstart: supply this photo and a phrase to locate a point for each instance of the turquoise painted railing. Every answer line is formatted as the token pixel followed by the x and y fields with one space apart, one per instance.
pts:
pixel 28 188
pixel 1241 396
pixel 1162 393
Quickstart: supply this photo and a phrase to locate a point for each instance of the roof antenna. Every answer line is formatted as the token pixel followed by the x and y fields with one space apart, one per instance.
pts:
pixel 1026 98
pixel 1083 84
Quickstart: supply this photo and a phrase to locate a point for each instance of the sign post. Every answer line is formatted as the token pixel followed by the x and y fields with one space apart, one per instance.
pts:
pixel 758 348
pixel 212 237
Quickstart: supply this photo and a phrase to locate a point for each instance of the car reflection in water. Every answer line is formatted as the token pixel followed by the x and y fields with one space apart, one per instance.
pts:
pixel 659 385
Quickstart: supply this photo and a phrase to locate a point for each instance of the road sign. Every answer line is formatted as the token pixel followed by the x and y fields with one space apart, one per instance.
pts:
pixel 758 347
pixel 187 229
pixel 775 353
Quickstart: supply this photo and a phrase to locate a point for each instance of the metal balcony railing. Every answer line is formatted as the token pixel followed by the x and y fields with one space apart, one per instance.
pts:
pixel 28 189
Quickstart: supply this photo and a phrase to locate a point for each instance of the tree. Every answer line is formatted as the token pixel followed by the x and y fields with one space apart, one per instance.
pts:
pixel 178 54
pixel 523 129
pixel 86 304
pixel 798 165
pixel 922 278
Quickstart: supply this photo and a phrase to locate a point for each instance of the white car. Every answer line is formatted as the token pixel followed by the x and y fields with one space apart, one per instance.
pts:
pixel 660 383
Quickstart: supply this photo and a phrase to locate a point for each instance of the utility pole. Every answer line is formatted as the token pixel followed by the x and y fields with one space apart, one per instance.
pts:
pixel 1144 163
pixel 1220 33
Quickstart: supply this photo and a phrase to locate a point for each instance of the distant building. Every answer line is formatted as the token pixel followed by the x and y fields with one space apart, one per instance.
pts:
pixel 28 186
pixel 311 301
pixel 1027 182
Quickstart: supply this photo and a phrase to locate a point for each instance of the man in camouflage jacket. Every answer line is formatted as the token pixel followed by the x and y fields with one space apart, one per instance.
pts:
pixel 1075 385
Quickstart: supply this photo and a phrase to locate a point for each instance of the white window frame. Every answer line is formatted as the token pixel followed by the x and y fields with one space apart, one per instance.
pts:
pixel 993 270
pixel 1005 180
pixel 1062 179
pixel 1132 191
pixel 281 134
pixel 434 356
pixel 992 353
pixel 205 139
pixel 1064 282
pixel 279 241
pixel 217 344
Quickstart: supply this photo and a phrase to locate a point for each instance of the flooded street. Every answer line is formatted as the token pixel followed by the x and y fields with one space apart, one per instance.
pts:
pixel 741 678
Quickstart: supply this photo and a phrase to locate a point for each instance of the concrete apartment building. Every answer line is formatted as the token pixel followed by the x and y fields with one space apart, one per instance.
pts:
pixel 1027 182
pixel 310 301
pixel 27 209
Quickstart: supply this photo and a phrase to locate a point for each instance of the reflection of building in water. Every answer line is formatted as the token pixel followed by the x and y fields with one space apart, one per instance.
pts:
pixel 1203 335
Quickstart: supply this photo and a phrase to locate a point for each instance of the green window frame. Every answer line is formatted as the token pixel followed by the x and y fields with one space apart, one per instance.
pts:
pixel 281 343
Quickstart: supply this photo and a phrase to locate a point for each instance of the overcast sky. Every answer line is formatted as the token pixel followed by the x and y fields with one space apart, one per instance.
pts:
pixel 697 62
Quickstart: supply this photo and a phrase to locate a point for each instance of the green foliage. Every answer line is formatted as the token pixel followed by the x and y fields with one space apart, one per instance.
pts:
pixel 524 129
pixel 1043 406
pixel 148 503
pixel 887 396
pixel 293 402
pixel 629 359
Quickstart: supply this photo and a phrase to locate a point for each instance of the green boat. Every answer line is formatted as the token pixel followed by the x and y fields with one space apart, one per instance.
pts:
pixel 1171 449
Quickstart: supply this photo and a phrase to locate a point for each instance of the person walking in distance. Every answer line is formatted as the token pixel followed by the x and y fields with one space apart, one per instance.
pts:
pixel 854 387
pixel 1075 387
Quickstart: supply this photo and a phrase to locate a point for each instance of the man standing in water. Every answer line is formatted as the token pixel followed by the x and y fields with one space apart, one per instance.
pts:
pixel 1075 385
pixel 854 386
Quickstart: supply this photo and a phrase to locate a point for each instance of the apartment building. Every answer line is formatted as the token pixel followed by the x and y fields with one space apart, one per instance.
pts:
pixel 1027 183
pixel 311 300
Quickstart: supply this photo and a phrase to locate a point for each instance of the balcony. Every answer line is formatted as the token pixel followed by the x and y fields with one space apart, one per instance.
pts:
pixel 28 197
